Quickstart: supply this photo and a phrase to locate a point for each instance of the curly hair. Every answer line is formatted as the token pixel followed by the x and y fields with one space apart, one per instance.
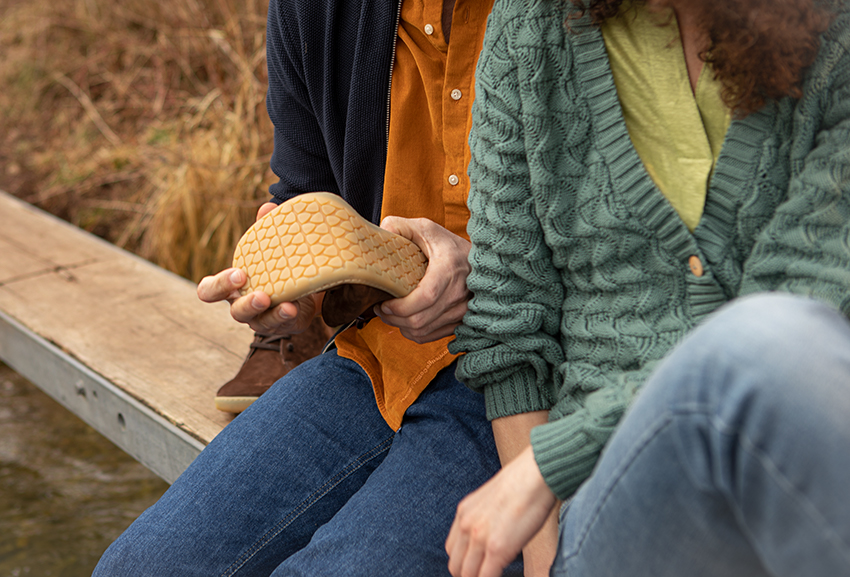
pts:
pixel 759 49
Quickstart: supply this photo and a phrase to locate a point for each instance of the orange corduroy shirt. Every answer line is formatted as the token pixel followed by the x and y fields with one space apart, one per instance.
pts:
pixel 425 176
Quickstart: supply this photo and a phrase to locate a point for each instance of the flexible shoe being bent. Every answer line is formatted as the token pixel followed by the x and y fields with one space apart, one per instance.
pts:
pixel 315 242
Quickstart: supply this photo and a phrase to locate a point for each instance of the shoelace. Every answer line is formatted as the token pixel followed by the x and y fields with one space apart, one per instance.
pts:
pixel 270 342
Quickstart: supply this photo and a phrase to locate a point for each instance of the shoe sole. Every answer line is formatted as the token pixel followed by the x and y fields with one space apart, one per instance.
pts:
pixel 233 404
pixel 316 241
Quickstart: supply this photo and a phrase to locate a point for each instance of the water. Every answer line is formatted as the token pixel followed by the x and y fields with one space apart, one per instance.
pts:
pixel 65 491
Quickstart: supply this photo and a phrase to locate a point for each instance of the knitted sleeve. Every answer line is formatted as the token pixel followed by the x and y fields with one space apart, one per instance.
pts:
pixel 805 249
pixel 510 332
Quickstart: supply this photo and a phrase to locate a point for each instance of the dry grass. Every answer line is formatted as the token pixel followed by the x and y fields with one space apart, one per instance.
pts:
pixel 142 121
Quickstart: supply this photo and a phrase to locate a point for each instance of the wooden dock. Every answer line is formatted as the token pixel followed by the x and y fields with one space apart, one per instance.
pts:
pixel 120 342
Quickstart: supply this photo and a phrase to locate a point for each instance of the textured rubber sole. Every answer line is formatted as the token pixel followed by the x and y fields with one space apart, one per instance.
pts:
pixel 316 241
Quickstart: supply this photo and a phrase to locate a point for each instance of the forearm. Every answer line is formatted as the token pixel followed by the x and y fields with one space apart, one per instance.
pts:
pixel 512 435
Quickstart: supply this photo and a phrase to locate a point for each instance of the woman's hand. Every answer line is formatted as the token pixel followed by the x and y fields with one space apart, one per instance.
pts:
pixel 494 523
pixel 437 305
pixel 253 309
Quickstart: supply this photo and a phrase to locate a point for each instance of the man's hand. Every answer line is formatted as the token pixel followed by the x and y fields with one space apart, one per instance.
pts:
pixel 437 305
pixel 494 523
pixel 253 309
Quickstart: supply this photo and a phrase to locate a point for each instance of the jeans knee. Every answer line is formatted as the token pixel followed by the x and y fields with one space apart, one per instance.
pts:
pixel 769 350
pixel 115 561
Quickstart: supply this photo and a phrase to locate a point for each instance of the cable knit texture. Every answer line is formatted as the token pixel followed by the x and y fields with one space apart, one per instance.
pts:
pixel 580 265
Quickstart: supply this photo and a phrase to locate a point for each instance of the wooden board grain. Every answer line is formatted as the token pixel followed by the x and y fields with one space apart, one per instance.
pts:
pixel 139 327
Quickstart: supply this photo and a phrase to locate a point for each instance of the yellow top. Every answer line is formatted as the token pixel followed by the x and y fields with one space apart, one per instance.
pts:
pixel 425 176
pixel 677 133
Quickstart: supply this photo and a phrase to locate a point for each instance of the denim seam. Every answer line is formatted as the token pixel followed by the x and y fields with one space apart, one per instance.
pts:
pixel 786 486
pixel 306 504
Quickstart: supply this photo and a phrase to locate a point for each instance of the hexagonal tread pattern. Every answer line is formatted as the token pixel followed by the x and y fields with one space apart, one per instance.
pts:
pixel 317 241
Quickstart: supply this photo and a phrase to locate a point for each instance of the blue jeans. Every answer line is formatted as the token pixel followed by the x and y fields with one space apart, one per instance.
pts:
pixel 733 461
pixel 311 481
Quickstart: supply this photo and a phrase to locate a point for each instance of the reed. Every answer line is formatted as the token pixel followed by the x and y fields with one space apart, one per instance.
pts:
pixel 142 121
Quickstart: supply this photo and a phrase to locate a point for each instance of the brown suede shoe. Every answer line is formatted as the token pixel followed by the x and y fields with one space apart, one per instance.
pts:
pixel 349 302
pixel 316 242
pixel 270 357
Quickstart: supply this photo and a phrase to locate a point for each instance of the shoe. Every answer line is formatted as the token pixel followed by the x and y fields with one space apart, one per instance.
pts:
pixel 269 358
pixel 315 242
pixel 348 302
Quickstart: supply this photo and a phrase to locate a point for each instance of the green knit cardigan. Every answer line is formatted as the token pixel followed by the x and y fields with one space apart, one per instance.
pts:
pixel 580 269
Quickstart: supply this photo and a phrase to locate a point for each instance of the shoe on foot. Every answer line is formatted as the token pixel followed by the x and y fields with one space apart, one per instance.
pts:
pixel 315 242
pixel 269 358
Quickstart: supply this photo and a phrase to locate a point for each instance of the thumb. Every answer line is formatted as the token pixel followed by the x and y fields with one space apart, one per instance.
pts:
pixel 409 228
pixel 265 209
pixel 394 224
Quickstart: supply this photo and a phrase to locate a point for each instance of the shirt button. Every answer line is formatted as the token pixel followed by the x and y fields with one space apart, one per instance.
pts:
pixel 429 29
pixel 456 94
pixel 453 180
pixel 696 266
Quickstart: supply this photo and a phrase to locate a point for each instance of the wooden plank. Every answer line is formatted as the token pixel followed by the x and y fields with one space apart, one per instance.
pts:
pixel 133 324
pixel 156 443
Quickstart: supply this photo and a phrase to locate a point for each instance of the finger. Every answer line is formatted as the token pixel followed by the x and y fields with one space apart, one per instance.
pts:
pixel 441 287
pixel 390 223
pixel 491 567
pixel 278 320
pixel 425 296
pixel 441 333
pixel 265 209
pixel 457 550
pixel 409 228
pixel 452 538
pixel 427 320
pixel 421 337
pixel 472 559
pixel 221 286
pixel 422 328
pixel 245 309
pixel 444 282
pixel 287 318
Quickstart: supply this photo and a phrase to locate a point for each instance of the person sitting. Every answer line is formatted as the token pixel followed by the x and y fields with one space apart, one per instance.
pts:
pixel 354 461
pixel 660 227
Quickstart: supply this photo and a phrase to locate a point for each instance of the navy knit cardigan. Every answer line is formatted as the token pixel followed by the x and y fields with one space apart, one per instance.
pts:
pixel 329 67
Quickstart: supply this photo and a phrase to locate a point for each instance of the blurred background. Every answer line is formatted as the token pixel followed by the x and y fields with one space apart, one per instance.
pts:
pixel 143 122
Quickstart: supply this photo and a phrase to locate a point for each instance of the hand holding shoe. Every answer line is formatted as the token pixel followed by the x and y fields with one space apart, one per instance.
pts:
pixel 287 318
pixel 437 305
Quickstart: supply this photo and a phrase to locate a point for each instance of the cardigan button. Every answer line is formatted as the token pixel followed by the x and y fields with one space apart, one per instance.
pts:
pixel 429 29
pixel 696 266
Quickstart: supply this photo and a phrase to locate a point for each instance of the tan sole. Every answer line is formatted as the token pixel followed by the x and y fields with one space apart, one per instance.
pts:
pixel 316 241
pixel 233 404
